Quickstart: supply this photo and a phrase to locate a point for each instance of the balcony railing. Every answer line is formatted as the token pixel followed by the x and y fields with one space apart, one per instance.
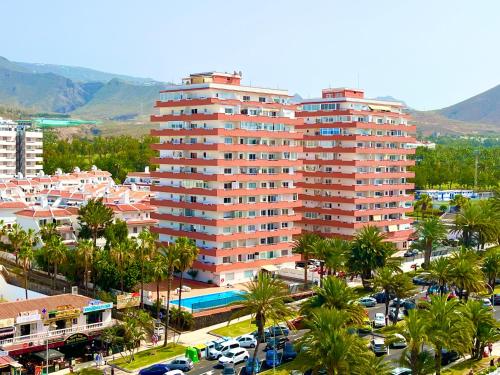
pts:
pixel 40 338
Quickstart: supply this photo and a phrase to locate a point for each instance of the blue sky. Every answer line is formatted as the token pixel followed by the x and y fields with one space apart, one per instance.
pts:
pixel 430 53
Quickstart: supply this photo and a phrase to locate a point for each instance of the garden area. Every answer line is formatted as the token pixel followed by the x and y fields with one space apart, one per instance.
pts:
pixel 149 357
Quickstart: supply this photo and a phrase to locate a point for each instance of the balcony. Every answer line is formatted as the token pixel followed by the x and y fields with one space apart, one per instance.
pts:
pixel 41 337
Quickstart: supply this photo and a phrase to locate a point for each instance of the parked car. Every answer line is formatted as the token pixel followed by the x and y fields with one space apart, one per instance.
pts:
pixel 289 352
pixel 379 320
pixel 394 302
pixel 222 348
pixel 234 356
pixel 175 372
pixel 422 279
pixel 410 253
pixel 398 341
pixel 183 363
pixel 275 343
pixel 448 356
pixel 495 299
pixel 380 296
pixel 377 345
pixel 279 330
pixel 401 371
pixel 247 341
pixel 252 366
pixel 228 370
pixel 368 301
pixel 392 314
pixel 158 369
pixel 487 303
pixel 273 358
pixel 267 333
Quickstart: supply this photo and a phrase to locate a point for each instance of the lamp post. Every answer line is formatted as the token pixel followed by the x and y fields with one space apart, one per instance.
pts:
pixel 47 348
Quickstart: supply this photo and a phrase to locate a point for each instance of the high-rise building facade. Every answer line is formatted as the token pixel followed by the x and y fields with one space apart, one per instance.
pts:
pixel 228 162
pixel 29 150
pixel 21 148
pixel 355 164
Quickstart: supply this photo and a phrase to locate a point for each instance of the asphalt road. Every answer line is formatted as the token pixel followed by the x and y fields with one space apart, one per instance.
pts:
pixel 210 367
pixel 207 367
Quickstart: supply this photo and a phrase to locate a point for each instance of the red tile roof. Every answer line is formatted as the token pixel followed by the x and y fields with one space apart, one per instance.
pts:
pixel 44 212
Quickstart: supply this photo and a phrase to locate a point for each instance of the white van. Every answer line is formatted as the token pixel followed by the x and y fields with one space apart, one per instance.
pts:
pixel 222 348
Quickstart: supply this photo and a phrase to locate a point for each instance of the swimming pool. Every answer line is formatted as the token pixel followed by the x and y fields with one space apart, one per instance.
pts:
pixel 209 301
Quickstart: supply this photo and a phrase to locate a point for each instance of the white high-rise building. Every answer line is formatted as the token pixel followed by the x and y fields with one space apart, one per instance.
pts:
pixel 21 148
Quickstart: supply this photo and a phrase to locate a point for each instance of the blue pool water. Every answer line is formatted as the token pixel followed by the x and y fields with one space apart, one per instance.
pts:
pixel 209 301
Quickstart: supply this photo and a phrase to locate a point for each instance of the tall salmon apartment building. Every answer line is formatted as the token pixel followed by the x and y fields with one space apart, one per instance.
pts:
pixel 243 170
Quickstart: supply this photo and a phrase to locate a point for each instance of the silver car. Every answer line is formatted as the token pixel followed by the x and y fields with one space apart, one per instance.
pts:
pixel 183 364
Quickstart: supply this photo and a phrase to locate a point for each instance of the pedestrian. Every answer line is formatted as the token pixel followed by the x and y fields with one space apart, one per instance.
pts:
pixel 112 370
pixel 490 347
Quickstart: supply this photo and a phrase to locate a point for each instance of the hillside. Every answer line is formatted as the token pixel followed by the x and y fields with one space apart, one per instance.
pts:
pixel 75 91
pixel 120 100
pixel 484 107
pixel 79 74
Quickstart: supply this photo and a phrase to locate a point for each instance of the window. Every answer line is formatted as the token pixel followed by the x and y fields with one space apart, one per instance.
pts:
pixel 248 274
pixel 252 185
pixel 228 171
pixel 262 99
pixel 230 276
pixel 228 156
pixel 246 98
pixel 226 259
pixel 228 111
pixel 228 141
pixel 135 229
pixel 228 125
pixel 227 199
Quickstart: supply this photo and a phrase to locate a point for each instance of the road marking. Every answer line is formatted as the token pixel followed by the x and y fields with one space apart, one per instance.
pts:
pixel 208 372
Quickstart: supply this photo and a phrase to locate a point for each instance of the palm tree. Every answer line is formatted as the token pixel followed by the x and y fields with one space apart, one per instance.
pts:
pixel 147 249
pixel 446 328
pixel 414 330
pixel 96 216
pixel 491 266
pixel 26 255
pixel 384 280
pixel 465 272
pixel 484 326
pixel 304 247
pixel 431 231
pixel 56 251
pixel 336 259
pixel 321 250
pixel 335 294
pixel 121 253
pixel 459 201
pixel 439 273
pixel 85 250
pixel 188 252
pixel 330 346
pixel 374 365
pixel 16 237
pixel 472 223
pixel 48 231
pixel 370 251
pixel 158 270
pixel 402 288
pixel 424 202
pixel 171 256
pixel 265 301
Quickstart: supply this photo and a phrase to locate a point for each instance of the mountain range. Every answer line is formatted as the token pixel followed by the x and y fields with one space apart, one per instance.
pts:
pixel 92 94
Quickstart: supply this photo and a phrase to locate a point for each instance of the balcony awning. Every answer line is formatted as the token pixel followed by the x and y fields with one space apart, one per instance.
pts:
pixel 53 354
pixel 9 361
pixel 379 108
pixel 269 268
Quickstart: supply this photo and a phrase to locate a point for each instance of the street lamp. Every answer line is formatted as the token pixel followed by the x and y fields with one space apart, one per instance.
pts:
pixel 53 325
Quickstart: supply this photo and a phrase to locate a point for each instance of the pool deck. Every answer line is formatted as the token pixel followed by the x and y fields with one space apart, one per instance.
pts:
pixel 197 289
